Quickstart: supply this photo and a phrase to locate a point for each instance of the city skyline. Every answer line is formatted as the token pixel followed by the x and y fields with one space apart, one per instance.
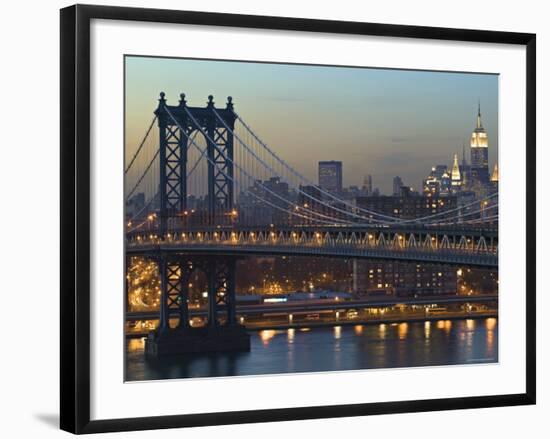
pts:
pixel 236 246
pixel 380 123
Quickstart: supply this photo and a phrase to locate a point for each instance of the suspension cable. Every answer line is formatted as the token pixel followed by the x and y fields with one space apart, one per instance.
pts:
pixel 140 145
pixel 143 175
pixel 345 212
pixel 333 220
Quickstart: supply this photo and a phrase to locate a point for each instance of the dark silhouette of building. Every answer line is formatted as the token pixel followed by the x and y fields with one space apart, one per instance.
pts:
pixel 330 176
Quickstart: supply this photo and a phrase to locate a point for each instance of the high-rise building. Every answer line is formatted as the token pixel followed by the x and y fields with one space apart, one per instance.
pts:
pixel 479 151
pixel 494 175
pixel 397 184
pixel 438 182
pixel 464 169
pixel 494 178
pixel 367 184
pixel 456 179
pixel 330 176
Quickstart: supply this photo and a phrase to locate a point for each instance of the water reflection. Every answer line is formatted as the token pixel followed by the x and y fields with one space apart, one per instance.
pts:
pixel 332 348
pixel 266 335
pixel 382 330
pixel 427 329
pixel 135 344
pixel 290 335
pixel 402 330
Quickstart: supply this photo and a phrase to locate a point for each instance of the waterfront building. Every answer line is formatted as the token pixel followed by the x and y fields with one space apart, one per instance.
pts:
pixel 403 279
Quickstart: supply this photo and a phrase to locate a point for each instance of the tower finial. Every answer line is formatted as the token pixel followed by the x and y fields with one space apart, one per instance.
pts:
pixel 479 114
pixel 183 102
pixel 210 102
pixel 455 172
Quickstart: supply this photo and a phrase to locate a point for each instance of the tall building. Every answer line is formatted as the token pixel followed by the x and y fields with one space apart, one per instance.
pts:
pixel 330 176
pixel 274 209
pixel 464 169
pixel 397 184
pixel 367 184
pixel 438 182
pixel 494 175
pixel 456 179
pixel 479 152
pixel 494 178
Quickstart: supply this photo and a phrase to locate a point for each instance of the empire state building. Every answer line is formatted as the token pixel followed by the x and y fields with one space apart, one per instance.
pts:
pixel 479 152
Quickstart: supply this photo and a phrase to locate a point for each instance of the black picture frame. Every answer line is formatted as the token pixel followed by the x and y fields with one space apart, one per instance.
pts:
pixel 75 217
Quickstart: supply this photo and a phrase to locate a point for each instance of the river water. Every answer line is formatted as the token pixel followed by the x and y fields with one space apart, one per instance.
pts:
pixel 370 346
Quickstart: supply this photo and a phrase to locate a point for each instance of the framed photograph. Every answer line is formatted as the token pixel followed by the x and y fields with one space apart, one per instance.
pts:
pixel 285 218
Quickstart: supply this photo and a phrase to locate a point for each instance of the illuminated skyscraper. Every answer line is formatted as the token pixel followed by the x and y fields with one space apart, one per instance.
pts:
pixel 494 176
pixel 330 176
pixel 479 151
pixel 456 179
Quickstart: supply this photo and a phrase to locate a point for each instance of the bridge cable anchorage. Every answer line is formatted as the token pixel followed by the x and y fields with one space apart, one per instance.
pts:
pixel 303 178
pixel 213 163
pixel 143 175
pixel 140 145
pixel 268 167
pixel 246 190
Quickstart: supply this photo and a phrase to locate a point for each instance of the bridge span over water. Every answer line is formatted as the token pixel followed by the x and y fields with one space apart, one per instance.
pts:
pixel 207 190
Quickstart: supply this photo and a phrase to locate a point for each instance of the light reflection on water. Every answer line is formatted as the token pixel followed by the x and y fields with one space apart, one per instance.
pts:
pixel 427 329
pixel 332 348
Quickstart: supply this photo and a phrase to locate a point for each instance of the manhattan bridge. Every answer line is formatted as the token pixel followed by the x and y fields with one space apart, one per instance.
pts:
pixel 198 197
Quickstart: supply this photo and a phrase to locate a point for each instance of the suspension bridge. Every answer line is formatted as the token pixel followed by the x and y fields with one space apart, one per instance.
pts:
pixel 203 189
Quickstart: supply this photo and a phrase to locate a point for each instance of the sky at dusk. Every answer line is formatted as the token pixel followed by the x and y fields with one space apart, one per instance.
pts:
pixel 376 121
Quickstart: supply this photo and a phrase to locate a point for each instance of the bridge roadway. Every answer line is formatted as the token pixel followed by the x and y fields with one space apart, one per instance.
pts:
pixel 460 246
pixel 304 306
pixel 356 252
pixel 471 230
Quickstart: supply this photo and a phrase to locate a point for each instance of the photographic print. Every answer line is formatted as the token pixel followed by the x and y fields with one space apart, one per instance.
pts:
pixel 293 218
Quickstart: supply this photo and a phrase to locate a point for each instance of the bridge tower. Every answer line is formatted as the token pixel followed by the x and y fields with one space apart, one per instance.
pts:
pixel 176 125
